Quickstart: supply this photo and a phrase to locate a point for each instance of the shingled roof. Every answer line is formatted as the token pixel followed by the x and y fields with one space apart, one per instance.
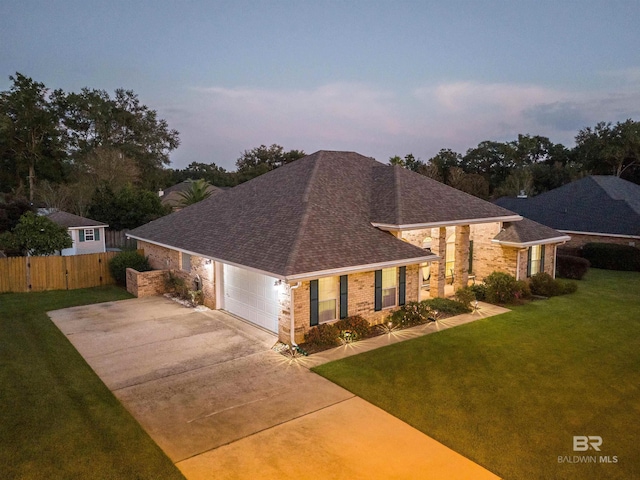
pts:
pixel 527 232
pixel 70 220
pixel 593 204
pixel 317 214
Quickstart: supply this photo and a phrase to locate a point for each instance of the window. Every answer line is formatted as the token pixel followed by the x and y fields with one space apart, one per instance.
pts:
pixel 89 234
pixel 450 256
pixel 186 262
pixel 327 299
pixel 535 263
pixel 389 285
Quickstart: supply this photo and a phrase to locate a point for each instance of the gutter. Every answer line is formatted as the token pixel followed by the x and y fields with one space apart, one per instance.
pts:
pixel 543 241
pixel 446 223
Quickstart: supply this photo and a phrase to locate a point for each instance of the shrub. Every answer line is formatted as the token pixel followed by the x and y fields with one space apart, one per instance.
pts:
pixel 128 259
pixel 323 335
pixel 480 291
pixel 446 305
pixel 358 326
pixel 413 313
pixel 612 257
pixel 501 287
pixel 175 284
pixel 543 284
pixel 567 287
pixel 523 290
pixel 465 296
pixel 570 266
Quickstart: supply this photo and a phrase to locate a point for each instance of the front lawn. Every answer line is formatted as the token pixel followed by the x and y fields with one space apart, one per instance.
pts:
pixel 58 420
pixel 510 392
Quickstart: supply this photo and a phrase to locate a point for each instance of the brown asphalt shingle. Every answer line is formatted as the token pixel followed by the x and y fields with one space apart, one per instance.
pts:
pixel 66 219
pixel 315 214
pixel 526 231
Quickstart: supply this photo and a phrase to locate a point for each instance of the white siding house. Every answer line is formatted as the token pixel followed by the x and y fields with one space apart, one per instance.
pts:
pixel 87 235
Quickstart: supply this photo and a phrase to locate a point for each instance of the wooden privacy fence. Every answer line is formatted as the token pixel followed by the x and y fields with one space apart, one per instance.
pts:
pixel 118 239
pixel 35 274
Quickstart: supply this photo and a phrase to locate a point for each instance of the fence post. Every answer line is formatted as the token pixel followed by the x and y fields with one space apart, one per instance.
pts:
pixel 66 273
pixel 28 276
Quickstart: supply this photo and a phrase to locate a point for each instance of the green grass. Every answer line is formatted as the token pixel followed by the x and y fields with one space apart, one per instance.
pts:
pixel 57 419
pixel 511 391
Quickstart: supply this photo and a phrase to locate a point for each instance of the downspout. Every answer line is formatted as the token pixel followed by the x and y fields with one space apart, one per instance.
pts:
pixel 291 310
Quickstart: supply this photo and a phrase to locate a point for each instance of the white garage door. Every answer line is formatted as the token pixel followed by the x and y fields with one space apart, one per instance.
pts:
pixel 251 296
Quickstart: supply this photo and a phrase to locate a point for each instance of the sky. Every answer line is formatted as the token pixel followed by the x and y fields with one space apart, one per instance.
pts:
pixel 381 78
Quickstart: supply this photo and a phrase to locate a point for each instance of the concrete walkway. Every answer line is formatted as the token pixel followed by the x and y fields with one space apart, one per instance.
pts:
pixel 484 310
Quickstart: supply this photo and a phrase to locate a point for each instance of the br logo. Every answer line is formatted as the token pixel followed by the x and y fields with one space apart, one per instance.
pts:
pixel 582 443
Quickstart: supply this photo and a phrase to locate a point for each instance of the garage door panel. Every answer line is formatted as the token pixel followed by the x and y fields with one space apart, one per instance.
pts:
pixel 251 296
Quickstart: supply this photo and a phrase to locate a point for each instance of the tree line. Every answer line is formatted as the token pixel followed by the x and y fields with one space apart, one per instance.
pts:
pixel 534 164
pixel 106 156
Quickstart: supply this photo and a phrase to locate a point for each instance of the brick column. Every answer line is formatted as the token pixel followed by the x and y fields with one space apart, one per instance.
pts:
pixel 439 247
pixel 461 264
pixel 284 312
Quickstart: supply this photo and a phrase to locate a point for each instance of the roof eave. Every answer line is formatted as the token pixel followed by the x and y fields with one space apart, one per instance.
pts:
pixel 101 225
pixel 307 275
pixel 360 268
pixel 447 223
pixel 543 241
pixel 210 257
pixel 616 235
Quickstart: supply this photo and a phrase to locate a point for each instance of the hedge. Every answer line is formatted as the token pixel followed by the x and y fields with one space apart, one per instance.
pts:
pixel 570 266
pixel 612 257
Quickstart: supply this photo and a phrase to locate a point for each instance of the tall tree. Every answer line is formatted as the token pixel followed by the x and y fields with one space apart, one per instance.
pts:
pixel 126 209
pixel 439 165
pixel 410 162
pixel 211 172
pixel 263 159
pixel 30 138
pixel 93 120
pixel 609 149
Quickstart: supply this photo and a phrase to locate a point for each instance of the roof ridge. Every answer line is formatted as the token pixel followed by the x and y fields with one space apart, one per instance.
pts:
pixel 305 216
pixel 396 186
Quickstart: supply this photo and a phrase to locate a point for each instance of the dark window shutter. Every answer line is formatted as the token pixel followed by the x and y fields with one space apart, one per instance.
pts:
pixel 542 258
pixel 96 234
pixel 82 235
pixel 529 262
pixel 470 256
pixel 402 286
pixel 344 296
pixel 313 302
pixel 378 291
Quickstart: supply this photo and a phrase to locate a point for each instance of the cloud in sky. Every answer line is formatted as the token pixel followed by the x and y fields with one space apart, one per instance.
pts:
pixel 381 122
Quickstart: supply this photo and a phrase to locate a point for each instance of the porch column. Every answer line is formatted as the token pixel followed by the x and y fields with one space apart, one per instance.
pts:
pixel 461 263
pixel 439 247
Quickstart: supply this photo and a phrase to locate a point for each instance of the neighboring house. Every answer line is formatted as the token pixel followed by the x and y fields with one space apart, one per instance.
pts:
pixel 171 197
pixel 593 209
pixel 337 234
pixel 87 234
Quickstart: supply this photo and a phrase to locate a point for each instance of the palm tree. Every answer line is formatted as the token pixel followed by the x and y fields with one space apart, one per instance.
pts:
pixel 198 191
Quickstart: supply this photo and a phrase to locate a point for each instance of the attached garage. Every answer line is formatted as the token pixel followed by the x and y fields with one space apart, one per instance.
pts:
pixel 252 296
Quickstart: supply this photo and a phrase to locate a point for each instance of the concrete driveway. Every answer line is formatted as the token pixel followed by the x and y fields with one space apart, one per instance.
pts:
pixel 221 404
